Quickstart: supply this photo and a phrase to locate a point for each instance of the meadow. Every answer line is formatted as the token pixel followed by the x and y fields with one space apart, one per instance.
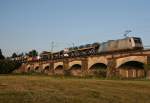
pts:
pixel 46 89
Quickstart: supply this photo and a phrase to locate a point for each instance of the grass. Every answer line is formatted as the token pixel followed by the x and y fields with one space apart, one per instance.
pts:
pixel 46 89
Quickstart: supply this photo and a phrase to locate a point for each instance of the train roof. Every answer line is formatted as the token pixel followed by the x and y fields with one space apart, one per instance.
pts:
pixel 133 37
pixel 125 38
pixel 120 39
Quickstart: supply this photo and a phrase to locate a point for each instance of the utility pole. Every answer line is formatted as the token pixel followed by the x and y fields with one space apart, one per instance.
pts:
pixel 52 46
pixel 73 44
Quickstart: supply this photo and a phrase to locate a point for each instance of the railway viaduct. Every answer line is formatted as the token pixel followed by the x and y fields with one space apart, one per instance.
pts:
pixel 120 64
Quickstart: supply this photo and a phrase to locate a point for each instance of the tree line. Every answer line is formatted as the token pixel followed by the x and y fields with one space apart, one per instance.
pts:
pixel 8 66
pixel 31 53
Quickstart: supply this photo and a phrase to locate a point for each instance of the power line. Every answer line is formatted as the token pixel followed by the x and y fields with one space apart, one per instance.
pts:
pixel 52 46
pixel 126 33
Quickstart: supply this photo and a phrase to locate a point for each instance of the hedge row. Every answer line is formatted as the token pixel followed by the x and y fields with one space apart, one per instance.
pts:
pixel 7 66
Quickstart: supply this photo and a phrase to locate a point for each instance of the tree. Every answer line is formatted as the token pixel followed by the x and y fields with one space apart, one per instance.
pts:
pixel 8 66
pixel 33 53
pixel 1 55
pixel 14 55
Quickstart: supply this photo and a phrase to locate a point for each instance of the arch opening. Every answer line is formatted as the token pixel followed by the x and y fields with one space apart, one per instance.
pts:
pixel 132 69
pixel 37 68
pixel 59 70
pixel 46 69
pixel 98 69
pixel 28 69
pixel 75 70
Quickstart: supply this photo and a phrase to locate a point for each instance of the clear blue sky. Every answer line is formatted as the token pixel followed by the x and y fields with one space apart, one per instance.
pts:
pixel 34 24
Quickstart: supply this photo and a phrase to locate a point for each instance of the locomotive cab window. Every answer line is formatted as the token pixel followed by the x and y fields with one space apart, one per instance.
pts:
pixel 137 40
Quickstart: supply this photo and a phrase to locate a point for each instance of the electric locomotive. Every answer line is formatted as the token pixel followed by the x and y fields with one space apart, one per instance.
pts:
pixel 129 43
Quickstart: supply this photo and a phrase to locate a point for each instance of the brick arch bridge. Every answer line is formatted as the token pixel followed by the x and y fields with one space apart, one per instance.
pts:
pixel 113 61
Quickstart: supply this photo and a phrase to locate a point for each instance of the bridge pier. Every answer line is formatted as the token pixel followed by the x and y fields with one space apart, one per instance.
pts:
pixel 65 66
pixel 147 68
pixel 84 66
pixel 51 68
pixel 40 66
pixel 111 68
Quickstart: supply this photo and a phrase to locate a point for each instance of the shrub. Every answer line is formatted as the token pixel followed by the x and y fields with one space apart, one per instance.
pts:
pixel 7 66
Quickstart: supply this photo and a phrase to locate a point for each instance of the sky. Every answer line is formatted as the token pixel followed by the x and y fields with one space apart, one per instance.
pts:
pixel 35 24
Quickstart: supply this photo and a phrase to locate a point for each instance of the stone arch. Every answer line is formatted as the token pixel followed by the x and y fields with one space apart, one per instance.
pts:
pixel 28 68
pixel 98 69
pixel 58 64
pixel 132 69
pixel 72 63
pixel 36 65
pixel 95 60
pixel 75 70
pixel 59 70
pixel 37 68
pixel 141 59
pixel 45 65
pixel 46 69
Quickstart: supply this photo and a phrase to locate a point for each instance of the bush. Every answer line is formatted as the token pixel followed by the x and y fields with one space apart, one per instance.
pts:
pixel 147 67
pixel 7 66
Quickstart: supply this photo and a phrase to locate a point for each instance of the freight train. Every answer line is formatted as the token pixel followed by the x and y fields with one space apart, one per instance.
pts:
pixel 111 46
pixel 126 44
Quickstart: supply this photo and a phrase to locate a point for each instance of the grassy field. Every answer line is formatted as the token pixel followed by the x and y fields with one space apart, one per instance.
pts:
pixel 45 89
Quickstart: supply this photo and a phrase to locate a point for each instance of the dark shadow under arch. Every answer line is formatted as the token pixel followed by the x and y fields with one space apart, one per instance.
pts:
pixel 59 70
pixel 29 69
pixel 98 69
pixel 132 69
pixel 59 67
pixel 46 69
pixel 75 70
pixel 37 68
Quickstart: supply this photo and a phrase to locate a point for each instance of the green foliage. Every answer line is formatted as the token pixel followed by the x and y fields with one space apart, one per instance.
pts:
pixel 14 55
pixel 100 72
pixel 33 53
pixel 67 73
pixel 1 55
pixel 7 66
pixel 147 66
